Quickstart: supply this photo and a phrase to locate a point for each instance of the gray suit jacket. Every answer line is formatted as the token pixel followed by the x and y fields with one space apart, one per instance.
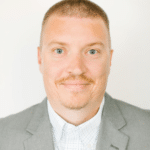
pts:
pixel 123 127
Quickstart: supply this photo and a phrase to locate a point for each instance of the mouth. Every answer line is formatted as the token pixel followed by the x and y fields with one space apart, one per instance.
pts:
pixel 75 86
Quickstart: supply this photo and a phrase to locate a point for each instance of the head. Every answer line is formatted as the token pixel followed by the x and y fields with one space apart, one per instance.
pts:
pixel 75 54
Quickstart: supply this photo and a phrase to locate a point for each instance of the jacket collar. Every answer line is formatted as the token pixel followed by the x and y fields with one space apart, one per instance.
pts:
pixel 110 136
pixel 41 130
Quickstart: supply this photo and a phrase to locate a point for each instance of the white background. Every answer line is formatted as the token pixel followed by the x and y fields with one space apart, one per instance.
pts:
pixel 21 83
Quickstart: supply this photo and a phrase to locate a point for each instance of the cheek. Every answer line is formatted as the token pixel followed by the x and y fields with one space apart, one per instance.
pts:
pixel 98 68
pixel 52 70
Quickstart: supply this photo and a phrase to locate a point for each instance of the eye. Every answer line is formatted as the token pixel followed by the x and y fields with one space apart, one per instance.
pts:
pixel 92 51
pixel 59 51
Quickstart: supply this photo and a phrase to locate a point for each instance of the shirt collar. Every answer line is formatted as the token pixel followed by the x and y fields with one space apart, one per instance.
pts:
pixel 60 125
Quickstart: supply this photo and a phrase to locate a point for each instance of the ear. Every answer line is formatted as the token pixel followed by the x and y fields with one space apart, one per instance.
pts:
pixel 111 53
pixel 39 54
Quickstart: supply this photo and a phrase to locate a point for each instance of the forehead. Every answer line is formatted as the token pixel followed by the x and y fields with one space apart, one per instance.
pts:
pixel 74 28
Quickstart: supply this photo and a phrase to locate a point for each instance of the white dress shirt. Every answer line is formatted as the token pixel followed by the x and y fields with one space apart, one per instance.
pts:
pixel 70 137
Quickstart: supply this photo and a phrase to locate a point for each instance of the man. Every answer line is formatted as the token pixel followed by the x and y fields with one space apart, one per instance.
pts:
pixel 74 58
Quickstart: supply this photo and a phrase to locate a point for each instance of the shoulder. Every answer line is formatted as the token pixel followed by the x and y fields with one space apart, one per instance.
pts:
pixel 134 115
pixel 19 120
pixel 130 109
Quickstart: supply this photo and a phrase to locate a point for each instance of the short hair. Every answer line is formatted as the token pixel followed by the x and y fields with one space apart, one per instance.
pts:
pixel 76 8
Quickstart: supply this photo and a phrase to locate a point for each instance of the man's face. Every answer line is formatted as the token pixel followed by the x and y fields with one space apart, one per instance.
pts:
pixel 75 61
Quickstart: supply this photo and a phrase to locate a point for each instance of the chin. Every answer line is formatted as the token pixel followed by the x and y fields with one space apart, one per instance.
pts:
pixel 75 103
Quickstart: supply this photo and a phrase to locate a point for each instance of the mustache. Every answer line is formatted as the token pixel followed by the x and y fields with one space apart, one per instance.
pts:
pixel 74 77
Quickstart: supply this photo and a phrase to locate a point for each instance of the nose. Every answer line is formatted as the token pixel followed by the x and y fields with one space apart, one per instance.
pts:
pixel 76 65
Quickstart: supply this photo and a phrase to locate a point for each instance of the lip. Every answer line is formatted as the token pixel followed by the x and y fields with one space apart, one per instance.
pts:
pixel 75 86
pixel 75 83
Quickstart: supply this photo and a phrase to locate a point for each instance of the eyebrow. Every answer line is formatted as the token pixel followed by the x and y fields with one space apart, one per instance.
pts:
pixel 62 43
pixel 96 43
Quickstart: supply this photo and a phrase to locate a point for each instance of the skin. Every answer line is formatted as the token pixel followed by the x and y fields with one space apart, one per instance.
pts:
pixel 75 59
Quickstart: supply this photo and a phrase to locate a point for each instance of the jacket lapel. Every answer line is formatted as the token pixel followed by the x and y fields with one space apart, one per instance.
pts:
pixel 110 135
pixel 40 130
